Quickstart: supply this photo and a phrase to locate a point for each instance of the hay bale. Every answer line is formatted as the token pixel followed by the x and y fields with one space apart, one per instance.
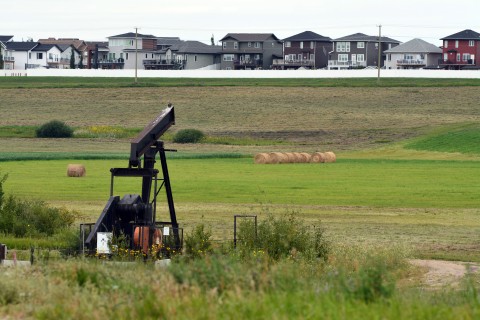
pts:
pixel 330 157
pixel 306 157
pixel 76 170
pixel 298 157
pixel 318 157
pixel 291 157
pixel 262 158
pixel 278 157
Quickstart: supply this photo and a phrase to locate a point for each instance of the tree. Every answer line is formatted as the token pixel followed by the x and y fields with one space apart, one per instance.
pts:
pixel 72 59
pixel 80 62
pixel 212 40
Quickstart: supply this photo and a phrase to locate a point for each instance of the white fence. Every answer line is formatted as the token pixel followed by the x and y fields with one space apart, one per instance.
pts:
pixel 271 74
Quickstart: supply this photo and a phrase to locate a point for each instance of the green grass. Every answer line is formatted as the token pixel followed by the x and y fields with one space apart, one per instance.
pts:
pixel 462 139
pixel 86 82
pixel 375 183
pixel 17 131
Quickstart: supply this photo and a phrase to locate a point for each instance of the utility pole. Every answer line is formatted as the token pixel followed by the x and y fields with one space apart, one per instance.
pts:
pixel 136 53
pixel 379 51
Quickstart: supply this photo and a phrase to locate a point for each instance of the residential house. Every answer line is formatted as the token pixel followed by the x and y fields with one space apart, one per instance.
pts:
pixel 250 50
pixel 3 47
pixel 18 55
pixel 96 51
pixel 460 50
pixel 359 51
pixel 185 55
pixel 79 45
pixel 69 52
pixel 128 50
pixel 307 49
pixel 45 56
pixel 413 54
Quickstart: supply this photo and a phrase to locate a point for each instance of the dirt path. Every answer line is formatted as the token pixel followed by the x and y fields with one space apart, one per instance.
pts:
pixel 441 273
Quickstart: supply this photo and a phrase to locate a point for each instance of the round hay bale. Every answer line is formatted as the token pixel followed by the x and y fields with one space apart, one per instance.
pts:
pixel 278 157
pixel 318 157
pixel 306 157
pixel 291 157
pixel 262 158
pixel 76 170
pixel 330 157
pixel 298 157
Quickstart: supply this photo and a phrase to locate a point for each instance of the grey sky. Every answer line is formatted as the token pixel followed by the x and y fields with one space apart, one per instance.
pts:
pixel 197 20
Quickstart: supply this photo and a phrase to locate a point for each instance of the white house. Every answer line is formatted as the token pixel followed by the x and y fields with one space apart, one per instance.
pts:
pixel 125 48
pixel 18 55
pixel 45 56
pixel 413 54
pixel 66 56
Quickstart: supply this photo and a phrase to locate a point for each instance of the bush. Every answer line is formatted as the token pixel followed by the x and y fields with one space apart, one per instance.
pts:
pixel 54 129
pixel 284 236
pixel 188 136
pixel 33 218
pixel 198 243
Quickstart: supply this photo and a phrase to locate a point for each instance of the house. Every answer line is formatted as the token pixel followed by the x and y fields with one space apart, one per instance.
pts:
pixel 250 50
pixel 128 50
pixel 79 45
pixel 18 55
pixel 307 49
pixel 185 55
pixel 358 51
pixel 460 50
pixel 3 48
pixel 96 51
pixel 413 54
pixel 45 56
pixel 67 53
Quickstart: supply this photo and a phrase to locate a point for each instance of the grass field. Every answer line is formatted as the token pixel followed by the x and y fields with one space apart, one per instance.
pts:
pixel 405 185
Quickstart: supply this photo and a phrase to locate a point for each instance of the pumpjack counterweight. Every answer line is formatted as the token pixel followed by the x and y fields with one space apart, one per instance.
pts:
pixel 134 215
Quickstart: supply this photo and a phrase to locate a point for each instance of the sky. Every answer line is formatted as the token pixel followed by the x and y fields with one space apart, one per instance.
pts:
pixel 96 20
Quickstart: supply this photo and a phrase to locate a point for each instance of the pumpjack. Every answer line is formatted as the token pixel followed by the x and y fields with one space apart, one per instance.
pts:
pixel 134 215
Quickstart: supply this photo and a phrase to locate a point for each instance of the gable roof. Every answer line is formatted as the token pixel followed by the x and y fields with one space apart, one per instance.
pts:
pixel 64 47
pixel 77 43
pixel 365 38
pixel 45 47
pixel 5 38
pixel 20 46
pixel 415 46
pixel 195 47
pixel 250 36
pixel 308 36
pixel 463 35
pixel 132 35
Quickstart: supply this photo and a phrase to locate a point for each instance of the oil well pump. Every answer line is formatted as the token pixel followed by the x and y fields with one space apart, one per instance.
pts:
pixel 134 216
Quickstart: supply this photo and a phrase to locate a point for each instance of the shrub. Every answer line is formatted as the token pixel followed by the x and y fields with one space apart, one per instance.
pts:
pixel 33 218
pixel 2 180
pixel 198 243
pixel 188 136
pixel 54 129
pixel 284 236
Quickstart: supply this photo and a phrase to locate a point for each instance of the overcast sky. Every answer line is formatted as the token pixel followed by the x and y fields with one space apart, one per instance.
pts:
pixel 198 20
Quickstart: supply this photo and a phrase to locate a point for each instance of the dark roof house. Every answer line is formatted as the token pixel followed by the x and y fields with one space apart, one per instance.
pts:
pixel 304 50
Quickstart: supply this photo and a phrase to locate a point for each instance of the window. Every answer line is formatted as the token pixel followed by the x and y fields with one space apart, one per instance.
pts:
pixel 471 43
pixel 445 44
pixel 249 44
pixel 343 46
pixel 456 43
pixel 458 57
pixel 257 44
pixel 343 57
pixel 288 44
pixel 29 55
pixel 146 56
pixel 389 57
pixel 257 57
pixel 39 55
pixel 195 58
pixel 224 44
pixel 445 56
pixel 235 45
pixel 126 55
pixel 312 44
pixel 228 57
pixel 360 45
pixel 312 57
pixel 408 56
pixel 121 55
pixel 301 44
pixel 360 57
pixel 466 57
pixel 50 56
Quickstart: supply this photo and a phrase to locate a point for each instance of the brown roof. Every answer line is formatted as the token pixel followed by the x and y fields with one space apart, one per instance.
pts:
pixel 250 36
pixel 80 45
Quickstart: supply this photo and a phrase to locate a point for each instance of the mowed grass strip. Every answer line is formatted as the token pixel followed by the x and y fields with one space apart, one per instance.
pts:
pixel 111 82
pixel 373 183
